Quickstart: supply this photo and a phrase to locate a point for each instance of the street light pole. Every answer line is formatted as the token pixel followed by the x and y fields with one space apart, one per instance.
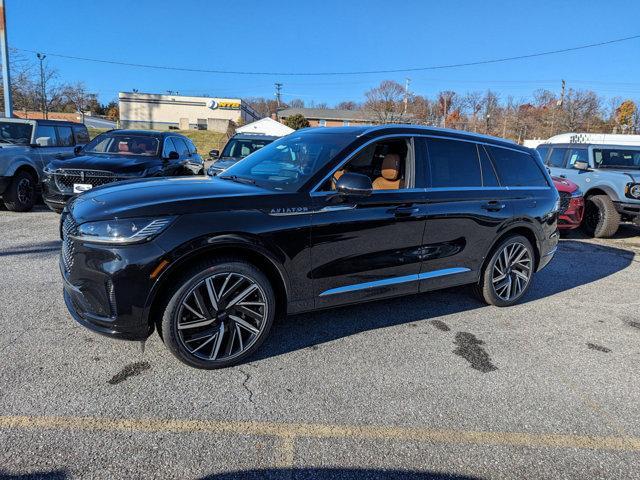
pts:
pixel 6 80
pixel 41 57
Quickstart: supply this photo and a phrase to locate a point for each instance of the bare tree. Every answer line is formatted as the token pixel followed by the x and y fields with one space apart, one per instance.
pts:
pixel 296 103
pixel 385 102
pixel 347 105
pixel 473 101
pixel 78 96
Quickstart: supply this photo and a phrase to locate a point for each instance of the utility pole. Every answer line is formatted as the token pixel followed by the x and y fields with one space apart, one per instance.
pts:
pixel 559 103
pixel 406 95
pixel 6 80
pixel 43 90
pixel 278 93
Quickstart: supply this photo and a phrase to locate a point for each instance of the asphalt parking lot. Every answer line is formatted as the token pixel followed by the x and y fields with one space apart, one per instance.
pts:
pixel 430 386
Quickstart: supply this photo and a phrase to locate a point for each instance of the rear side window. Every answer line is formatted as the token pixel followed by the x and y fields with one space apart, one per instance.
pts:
pixel 82 134
pixel 65 137
pixel 48 131
pixel 454 163
pixel 192 148
pixel 517 169
pixel 489 177
pixel 556 159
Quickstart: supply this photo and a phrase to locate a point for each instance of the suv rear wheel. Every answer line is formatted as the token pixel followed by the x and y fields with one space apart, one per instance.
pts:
pixel 21 194
pixel 507 275
pixel 218 314
pixel 601 219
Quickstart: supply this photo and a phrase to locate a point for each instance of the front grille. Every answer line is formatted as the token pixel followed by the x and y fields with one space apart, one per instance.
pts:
pixel 69 228
pixel 565 199
pixel 66 177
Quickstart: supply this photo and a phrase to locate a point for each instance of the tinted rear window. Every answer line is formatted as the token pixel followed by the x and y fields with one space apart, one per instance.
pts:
pixel 517 169
pixel 454 163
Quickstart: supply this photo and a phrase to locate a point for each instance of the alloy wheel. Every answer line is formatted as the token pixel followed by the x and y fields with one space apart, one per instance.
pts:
pixel 222 316
pixel 512 271
pixel 25 191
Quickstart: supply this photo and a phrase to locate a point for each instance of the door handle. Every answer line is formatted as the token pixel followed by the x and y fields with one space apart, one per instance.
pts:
pixel 406 211
pixel 493 206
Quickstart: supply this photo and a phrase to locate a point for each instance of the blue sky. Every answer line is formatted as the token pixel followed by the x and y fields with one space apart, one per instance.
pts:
pixel 328 35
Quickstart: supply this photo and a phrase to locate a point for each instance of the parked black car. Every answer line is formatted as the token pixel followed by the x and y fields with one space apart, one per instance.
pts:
pixel 316 219
pixel 119 155
pixel 238 147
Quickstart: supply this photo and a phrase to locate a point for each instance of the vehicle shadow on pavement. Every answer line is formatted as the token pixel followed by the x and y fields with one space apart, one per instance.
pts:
pixel 48 475
pixel 336 473
pixel 576 263
pixel 52 247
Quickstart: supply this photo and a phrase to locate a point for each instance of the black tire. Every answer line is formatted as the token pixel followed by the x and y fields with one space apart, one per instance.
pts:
pixel 220 270
pixel 20 196
pixel 485 289
pixel 601 219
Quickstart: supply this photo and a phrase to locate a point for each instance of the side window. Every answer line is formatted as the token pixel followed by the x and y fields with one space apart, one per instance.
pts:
pixel 49 132
pixel 454 163
pixel 181 147
pixel 192 148
pixel 168 147
pixel 517 169
pixel 82 134
pixel 389 164
pixel 489 177
pixel 556 159
pixel 543 151
pixel 577 155
pixel 65 137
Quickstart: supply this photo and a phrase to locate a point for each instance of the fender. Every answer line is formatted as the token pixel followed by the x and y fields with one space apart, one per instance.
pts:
pixel 606 188
pixel 209 243
pixel 14 163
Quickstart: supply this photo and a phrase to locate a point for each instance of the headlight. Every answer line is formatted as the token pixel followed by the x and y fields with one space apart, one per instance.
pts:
pixel 124 231
pixel 633 190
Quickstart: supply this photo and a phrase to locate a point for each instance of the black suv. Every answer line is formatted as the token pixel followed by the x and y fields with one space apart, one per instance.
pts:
pixel 119 155
pixel 316 219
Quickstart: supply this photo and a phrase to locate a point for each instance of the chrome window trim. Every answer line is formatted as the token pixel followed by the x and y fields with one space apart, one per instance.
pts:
pixel 414 135
pixel 395 280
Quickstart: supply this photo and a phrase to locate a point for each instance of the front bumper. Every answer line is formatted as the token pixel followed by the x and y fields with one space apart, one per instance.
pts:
pixel 572 216
pixel 629 209
pixel 52 196
pixel 106 287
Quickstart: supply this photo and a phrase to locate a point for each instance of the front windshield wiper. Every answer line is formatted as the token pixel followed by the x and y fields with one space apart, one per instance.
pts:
pixel 235 178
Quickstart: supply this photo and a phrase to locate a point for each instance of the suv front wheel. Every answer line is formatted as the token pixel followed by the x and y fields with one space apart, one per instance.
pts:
pixel 601 219
pixel 21 194
pixel 218 314
pixel 507 275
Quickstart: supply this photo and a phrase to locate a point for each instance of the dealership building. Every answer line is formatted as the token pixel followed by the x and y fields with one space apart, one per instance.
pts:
pixel 168 112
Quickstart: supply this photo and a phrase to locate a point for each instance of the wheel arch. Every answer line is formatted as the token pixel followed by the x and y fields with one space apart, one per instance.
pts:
pixel 516 229
pixel 238 247
pixel 24 166
pixel 602 190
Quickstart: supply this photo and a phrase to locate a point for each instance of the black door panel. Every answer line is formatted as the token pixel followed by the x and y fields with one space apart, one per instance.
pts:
pixel 367 249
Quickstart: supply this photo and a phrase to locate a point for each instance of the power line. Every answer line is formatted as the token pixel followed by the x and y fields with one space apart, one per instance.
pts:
pixel 365 72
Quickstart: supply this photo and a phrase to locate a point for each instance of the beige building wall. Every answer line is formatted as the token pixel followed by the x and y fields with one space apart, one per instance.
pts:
pixel 161 112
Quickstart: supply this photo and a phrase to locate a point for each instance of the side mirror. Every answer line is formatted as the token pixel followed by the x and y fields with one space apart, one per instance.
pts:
pixel 77 149
pixel 43 141
pixel 354 184
pixel 214 153
pixel 173 155
pixel 578 165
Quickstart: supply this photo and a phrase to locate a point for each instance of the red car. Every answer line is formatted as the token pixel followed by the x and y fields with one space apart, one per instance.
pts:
pixel 571 203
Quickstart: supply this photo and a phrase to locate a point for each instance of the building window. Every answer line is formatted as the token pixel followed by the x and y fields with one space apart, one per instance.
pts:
pixel 346 123
pixel 322 123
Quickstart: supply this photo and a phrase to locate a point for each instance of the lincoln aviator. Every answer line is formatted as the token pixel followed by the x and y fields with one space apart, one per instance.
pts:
pixel 321 218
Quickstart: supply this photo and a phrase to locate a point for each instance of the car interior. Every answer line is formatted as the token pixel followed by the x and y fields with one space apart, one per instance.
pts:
pixel 385 163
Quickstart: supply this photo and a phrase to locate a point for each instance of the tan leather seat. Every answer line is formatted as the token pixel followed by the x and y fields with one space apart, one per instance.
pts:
pixel 390 179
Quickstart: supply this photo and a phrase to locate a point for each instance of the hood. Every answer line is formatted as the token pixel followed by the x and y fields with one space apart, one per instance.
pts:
pixel 167 196
pixel 632 173
pixel 118 164
pixel 564 185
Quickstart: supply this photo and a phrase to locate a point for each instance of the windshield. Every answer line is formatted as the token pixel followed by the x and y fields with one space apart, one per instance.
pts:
pixel 287 163
pixel 240 148
pixel 616 158
pixel 15 133
pixel 122 144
